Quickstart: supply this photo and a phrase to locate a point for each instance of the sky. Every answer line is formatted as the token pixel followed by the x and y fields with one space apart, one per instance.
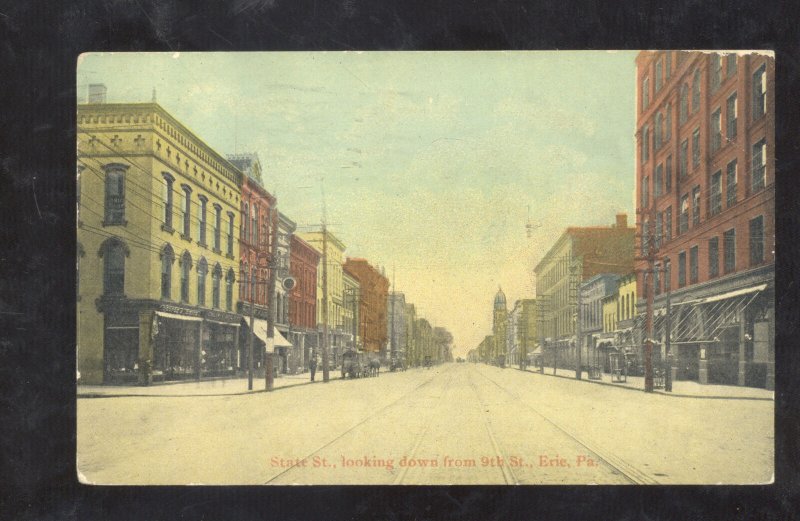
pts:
pixel 429 164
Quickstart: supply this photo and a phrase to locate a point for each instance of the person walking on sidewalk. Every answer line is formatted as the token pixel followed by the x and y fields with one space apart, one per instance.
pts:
pixel 312 366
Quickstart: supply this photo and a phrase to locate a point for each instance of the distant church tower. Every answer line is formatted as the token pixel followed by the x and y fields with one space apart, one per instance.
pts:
pixel 499 325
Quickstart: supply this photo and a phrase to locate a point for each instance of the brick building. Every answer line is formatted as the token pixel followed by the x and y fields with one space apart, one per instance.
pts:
pixel 303 298
pixel 374 290
pixel 706 201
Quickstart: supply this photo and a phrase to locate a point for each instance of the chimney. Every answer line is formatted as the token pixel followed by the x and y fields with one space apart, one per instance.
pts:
pixel 97 93
pixel 622 220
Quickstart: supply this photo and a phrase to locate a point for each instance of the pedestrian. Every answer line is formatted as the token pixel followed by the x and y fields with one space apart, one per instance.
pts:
pixel 312 366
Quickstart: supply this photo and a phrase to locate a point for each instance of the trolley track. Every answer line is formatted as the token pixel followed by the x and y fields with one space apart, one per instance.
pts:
pixel 508 474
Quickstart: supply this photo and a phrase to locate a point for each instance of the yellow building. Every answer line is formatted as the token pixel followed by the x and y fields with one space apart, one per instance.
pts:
pixel 157 224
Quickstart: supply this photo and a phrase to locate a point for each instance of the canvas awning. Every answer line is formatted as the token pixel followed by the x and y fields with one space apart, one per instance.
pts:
pixel 175 316
pixel 260 330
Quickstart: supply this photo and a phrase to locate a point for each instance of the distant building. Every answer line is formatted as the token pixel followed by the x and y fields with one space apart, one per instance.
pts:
pixel 412 352
pixel 374 289
pixel 593 291
pixel 499 328
pixel 396 310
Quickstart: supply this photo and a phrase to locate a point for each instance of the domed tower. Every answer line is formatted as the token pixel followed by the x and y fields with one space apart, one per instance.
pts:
pixel 499 326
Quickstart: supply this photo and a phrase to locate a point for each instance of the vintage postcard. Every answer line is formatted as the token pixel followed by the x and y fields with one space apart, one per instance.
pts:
pixel 426 268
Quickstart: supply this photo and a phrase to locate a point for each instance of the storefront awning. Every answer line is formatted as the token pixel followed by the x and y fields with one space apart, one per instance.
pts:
pixel 260 330
pixel 175 316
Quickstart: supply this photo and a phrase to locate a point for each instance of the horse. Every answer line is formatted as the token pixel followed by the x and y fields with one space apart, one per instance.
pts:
pixel 374 367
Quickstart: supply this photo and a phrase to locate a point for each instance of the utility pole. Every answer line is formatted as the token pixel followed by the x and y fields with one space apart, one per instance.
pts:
pixel 578 334
pixel 648 236
pixel 250 341
pixel 325 369
pixel 667 333
pixel 274 260
pixel 392 346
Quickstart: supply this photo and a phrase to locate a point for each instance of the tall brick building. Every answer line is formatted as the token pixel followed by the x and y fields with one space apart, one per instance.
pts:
pixel 303 298
pixel 372 323
pixel 706 201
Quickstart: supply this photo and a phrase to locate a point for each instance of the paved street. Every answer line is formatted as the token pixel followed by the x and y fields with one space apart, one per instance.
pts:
pixel 453 424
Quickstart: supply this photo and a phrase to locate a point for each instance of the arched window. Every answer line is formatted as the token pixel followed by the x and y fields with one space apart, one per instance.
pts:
pixel 684 104
pixel 696 91
pixel 216 276
pixel 254 224
pixel 168 200
pixel 113 251
pixel 202 271
pixel 245 221
pixel 230 278
pixel 167 258
pixel 115 194
pixel 186 266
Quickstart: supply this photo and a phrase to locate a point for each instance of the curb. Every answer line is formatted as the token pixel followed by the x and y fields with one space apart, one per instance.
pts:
pixel 662 393
pixel 139 395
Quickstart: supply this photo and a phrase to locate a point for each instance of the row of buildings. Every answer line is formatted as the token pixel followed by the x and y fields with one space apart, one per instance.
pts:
pixel 182 249
pixel 699 264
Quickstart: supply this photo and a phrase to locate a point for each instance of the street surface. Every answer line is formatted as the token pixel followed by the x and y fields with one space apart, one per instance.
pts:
pixel 452 424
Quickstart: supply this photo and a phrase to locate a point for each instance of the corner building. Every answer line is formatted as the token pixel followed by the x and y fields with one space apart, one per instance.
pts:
pixel 157 223
pixel 706 200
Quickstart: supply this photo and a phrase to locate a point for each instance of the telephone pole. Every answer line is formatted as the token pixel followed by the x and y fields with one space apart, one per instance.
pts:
pixel 274 261
pixel 649 250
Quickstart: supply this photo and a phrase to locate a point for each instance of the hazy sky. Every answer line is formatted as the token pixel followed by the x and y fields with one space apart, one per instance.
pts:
pixel 431 162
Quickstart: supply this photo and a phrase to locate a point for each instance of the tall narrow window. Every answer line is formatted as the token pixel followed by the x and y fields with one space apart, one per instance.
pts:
pixel 684 104
pixel 168 201
pixel 658 181
pixel 229 280
pixel 696 91
pixel 659 75
pixel 730 64
pixel 729 245
pixel 645 192
pixel 201 224
pixel 681 269
pixel 757 240
pixel 668 175
pixel 759 175
pixel 695 206
pixel 715 204
pixel 693 254
pixel 230 234
pixel 254 224
pixel 730 183
pixel 645 93
pixel 217 227
pixel 760 92
pixel 659 229
pixel 645 149
pixel 202 271
pixel 683 159
pixel 696 148
pixel 187 211
pixel 167 259
pixel 115 194
pixel 713 257
pixel 731 115
pixel 716 130
pixel 186 266
pixel 657 131
pixel 716 71
pixel 668 124
pixel 668 223
pixel 216 276
pixel 245 222
pixel 668 64
pixel 683 220
pixel 113 252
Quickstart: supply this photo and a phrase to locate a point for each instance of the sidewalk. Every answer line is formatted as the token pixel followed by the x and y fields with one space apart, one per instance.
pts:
pixel 682 388
pixel 210 387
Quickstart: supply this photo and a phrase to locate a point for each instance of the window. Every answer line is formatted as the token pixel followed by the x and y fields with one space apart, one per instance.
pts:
pixel 659 75
pixel 731 113
pixel 245 221
pixel 668 223
pixel 730 183
pixel 659 229
pixel 730 64
pixel 760 92
pixel 187 211
pixel 201 225
pixel 254 224
pixel 645 93
pixel 645 191
pixel 668 64
pixel 693 264
pixel 658 181
pixel 713 257
pixel 668 176
pixel 757 240
pixel 229 280
pixel 696 148
pixel 114 252
pixel 657 131
pixel 645 152
pixel 696 91
pixel 683 220
pixel 716 71
pixel 681 269
pixel 186 266
pixel 695 206
pixel 168 201
pixel 216 275
pixel 668 126
pixel 716 130
pixel 684 104
pixel 167 259
pixel 230 234
pixel 729 245
pixel 202 271
pixel 115 194
pixel 715 203
pixel 759 165
pixel 217 227
pixel 667 275
pixel 683 159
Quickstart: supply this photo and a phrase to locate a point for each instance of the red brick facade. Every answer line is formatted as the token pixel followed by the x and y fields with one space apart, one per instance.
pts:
pixel 303 299
pixel 254 242
pixel 372 316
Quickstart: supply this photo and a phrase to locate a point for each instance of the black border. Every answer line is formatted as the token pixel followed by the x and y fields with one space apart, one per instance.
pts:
pixel 39 45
